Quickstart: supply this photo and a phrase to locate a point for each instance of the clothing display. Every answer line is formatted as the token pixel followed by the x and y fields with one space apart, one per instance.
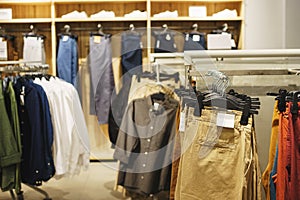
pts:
pixel 101 74
pixel 67 58
pixel 164 42
pixel 282 180
pixel 34 50
pixel 35 145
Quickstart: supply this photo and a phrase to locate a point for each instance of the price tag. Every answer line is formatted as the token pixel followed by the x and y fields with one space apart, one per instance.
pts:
pixel 233 43
pixel 22 96
pixel 225 120
pixel 156 105
pixel 97 39
pixel 196 38
pixel 182 121
pixel 157 43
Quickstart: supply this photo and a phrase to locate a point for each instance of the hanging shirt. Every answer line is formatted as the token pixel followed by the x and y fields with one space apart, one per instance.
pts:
pixel 165 43
pixel 145 145
pixel 67 59
pixel 71 146
pixel 36 132
pixel 10 155
pixel 194 41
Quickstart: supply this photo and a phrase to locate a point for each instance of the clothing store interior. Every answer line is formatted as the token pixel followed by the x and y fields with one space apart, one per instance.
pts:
pixel 149 100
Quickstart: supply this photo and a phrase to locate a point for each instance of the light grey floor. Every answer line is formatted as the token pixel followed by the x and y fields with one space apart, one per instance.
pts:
pixel 97 183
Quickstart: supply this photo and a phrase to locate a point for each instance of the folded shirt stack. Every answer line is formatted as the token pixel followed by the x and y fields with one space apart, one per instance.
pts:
pixel 226 13
pixel 136 14
pixel 167 14
pixel 75 14
pixel 104 14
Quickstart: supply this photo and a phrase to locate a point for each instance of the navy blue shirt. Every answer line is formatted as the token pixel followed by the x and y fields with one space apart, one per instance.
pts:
pixel 36 132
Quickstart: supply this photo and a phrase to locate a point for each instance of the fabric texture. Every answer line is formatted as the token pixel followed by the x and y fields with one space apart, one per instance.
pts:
pixel 272 151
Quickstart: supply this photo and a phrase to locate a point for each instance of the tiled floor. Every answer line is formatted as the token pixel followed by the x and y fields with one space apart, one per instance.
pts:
pixel 95 184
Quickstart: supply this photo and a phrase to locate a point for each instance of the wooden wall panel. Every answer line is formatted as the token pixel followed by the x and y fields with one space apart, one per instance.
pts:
pixel 29 11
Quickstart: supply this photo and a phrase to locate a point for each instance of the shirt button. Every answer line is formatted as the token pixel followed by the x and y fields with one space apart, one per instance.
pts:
pixel 148 140
pixel 142 177
pixel 151 127
pixel 37 171
pixel 22 110
pixel 146 153
pixel 144 165
pixel 22 122
pixel 48 164
pixel 21 134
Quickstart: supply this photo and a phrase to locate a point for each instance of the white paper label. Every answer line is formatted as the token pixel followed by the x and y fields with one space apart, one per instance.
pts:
pixel 97 39
pixel 3 50
pixel 156 105
pixel 182 121
pixel 157 43
pixel 65 38
pixel 196 38
pixel 233 43
pixel 22 96
pixel 225 120
pixel 168 37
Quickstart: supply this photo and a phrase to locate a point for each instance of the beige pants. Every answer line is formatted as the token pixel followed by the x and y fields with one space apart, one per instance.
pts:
pixel 216 160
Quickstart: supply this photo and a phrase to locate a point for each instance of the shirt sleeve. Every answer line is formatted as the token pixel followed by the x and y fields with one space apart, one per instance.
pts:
pixel 127 141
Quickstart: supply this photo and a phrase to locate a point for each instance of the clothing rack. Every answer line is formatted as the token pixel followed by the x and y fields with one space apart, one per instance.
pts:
pixel 24 67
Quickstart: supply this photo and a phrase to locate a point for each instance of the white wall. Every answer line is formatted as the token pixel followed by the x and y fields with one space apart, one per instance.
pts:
pixel 292 24
pixel 264 24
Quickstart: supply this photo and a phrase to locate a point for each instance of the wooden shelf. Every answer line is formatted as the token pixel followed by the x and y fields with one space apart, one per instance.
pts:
pixel 196 19
pixel 97 1
pixel 115 19
pixel 28 20
pixel 29 2
pixel 200 1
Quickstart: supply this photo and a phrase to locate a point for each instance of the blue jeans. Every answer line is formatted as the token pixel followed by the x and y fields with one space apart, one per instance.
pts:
pixel 67 59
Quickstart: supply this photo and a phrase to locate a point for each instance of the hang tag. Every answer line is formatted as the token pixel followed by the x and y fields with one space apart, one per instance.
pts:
pixel 22 96
pixel 196 38
pixel 157 43
pixel 182 121
pixel 97 39
pixel 141 45
pixel 187 37
pixel 155 106
pixel 233 43
pixel 65 38
pixel 168 37
pixel 225 120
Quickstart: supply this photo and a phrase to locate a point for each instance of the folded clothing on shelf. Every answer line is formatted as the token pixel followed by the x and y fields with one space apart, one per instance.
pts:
pixel 75 14
pixel 226 13
pixel 167 14
pixel 103 14
pixel 136 13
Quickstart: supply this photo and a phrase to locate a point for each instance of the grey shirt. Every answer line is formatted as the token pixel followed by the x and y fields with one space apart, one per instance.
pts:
pixel 145 145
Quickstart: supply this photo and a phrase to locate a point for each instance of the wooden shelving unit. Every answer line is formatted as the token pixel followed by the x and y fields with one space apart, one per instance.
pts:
pixel 46 15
